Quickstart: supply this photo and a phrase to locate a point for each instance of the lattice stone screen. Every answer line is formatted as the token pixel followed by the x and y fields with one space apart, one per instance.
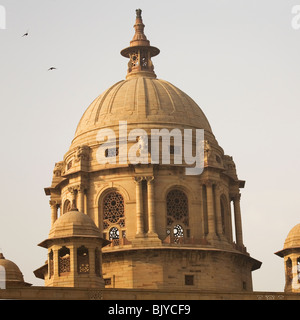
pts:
pixel 113 210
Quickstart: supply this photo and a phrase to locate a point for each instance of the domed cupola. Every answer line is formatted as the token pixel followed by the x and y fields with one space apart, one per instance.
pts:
pixel 291 255
pixel 10 274
pixel 74 253
pixel 141 100
pixel 185 230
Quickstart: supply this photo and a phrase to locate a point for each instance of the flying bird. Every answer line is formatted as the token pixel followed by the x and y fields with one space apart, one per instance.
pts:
pixel 52 68
pixel 25 34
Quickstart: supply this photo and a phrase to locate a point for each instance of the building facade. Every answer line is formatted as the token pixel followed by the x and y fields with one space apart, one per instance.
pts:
pixel 160 221
pixel 127 219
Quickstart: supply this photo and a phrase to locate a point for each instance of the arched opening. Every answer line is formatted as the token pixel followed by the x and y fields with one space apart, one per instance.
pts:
pixel 67 206
pixel 177 216
pixel 64 261
pixel 113 209
pixel 83 265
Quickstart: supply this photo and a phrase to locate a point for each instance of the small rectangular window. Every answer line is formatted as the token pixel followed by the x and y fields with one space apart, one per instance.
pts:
pixel 189 280
pixel 107 282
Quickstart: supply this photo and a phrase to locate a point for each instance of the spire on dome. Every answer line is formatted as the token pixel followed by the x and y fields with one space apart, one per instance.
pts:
pixel 140 51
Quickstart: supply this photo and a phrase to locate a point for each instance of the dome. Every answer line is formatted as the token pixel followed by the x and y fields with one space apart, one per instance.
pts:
pixel 142 100
pixel 74 223
pixel 13 274
pixel 293 238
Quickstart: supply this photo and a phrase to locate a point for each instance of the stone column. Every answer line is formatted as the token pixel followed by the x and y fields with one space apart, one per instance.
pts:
pixel 210 211
pixel 80 204
pixel 218 211
pixel 139 207
pixel 238 220
pixel 92 260
pixel 55 263
pixel 72 190
pixel 230 234
pixel 53 205
pixel 73 261
pixel 151 203
pixel 86 201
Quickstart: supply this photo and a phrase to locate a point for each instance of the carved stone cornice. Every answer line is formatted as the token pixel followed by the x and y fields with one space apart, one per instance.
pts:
pixel 82 153
pixel 58 169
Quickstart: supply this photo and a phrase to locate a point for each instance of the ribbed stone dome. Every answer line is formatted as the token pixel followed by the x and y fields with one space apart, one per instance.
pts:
pixel 293 238
pixel 74 223
pixel 13 275
pixel 141 100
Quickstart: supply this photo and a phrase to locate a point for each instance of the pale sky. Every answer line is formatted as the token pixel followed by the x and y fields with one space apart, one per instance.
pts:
pixel 239 60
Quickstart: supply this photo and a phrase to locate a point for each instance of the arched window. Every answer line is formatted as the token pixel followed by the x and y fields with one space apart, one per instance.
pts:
pixel 177 215
pixel 67 206
pixel 64 260
pixel 113 214
pixel 83 265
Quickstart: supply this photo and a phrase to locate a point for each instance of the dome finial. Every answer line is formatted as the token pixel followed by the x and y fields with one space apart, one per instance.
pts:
pixel 138 13
pixel 140 52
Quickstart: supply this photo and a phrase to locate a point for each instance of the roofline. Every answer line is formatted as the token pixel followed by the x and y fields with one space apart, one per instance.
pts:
pixel 44 244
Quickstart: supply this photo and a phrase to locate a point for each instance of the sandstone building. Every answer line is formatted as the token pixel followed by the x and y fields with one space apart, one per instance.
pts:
pixel 130 229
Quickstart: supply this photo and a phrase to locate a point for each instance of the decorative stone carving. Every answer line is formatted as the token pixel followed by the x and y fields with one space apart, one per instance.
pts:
pixel 58 169
pixel 229 166
pixel 82 153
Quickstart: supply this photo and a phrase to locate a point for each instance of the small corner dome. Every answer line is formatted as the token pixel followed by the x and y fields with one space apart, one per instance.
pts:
pixel 293 238
pixel 12 271
pixel 74 223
